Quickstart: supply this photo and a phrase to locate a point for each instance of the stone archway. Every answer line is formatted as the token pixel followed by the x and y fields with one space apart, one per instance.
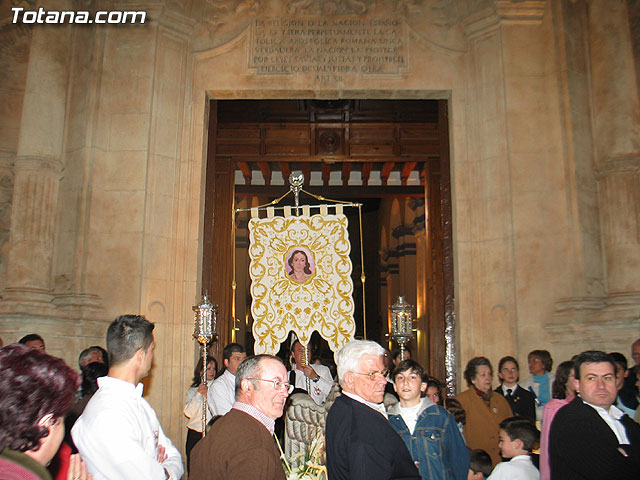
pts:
pixel 436 311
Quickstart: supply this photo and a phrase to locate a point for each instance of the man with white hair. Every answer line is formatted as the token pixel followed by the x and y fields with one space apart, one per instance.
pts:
pixel 361 444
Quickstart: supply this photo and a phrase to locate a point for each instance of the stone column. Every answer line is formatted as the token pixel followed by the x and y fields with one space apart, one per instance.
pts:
pixel 37 169
pixel 617 141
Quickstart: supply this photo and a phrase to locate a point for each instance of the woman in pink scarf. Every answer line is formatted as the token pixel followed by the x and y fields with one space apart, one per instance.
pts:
pixel 562 391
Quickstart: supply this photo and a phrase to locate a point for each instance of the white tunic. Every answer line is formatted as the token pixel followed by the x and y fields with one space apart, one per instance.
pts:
pixel 319 390
pixel 193 408
pixel 118 435
pixel 222 394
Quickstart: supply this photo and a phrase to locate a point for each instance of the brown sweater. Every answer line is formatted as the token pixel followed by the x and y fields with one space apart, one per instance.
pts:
pixel 237 447
pixel 481 429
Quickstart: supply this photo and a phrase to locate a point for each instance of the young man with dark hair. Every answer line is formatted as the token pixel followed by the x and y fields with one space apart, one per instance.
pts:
pixel 119 434
pixel 621 376
pixel 430 432
pixel 518 437
pixel 319 376
pixel 591 439
pixel 221 395
pixel 521 401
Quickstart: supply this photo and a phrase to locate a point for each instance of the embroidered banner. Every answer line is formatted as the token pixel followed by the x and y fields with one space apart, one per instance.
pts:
pixel 300 280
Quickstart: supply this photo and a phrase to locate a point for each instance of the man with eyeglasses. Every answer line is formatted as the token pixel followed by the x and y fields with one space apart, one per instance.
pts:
pixel 240 445
pixel 361 444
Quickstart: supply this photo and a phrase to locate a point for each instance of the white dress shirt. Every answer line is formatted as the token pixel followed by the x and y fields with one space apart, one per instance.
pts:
pixel 378 407
pixel 519 467
pixel 222 394
pixel 118 435
pixel 319 390
pixel 612 418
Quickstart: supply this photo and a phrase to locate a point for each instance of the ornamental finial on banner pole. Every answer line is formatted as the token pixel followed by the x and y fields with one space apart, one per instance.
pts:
pixel 296 182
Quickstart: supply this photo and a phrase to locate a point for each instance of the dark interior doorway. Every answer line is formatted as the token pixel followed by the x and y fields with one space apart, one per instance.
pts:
pixel 395 148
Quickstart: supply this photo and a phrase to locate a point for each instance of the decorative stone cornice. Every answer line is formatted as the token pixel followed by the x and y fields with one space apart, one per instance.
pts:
pixel 527 12
pixel 504 12
pixel 28 162
pixel 584 317
pixel 176 22
pixel 614 166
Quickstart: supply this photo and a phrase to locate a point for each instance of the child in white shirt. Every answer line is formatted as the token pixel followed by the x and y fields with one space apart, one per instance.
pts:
pixel 479 465
pixel 518 436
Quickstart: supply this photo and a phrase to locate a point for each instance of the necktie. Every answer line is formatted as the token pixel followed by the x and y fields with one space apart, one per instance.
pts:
pixel 508 393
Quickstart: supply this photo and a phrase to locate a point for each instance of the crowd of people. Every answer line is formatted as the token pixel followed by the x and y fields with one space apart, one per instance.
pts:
pixel 391 420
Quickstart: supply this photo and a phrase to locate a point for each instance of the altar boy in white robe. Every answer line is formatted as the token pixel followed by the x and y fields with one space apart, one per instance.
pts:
pixel 319 376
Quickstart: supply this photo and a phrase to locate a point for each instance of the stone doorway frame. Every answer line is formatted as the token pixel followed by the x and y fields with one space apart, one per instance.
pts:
pixel 221 196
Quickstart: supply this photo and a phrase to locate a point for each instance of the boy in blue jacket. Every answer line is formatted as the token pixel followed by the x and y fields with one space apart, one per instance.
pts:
pixel 429 431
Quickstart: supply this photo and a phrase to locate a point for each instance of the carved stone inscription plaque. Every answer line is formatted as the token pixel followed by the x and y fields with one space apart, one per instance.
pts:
pixel 328 48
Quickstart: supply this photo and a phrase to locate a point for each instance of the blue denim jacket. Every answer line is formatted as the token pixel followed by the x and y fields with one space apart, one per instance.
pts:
pixel 436 445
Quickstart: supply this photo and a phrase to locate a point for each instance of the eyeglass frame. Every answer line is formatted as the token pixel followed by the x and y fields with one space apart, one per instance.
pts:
pixel 372 375
pixel 277 384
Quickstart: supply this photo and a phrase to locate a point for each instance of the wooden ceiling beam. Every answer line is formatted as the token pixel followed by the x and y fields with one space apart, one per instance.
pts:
pixel 366 172
pixel 286 170
pixel 406 171
pixel 346 173
pixel 386 171
pixel 278 158
pixel 246 172
pixel 306 171
pixel 326 174
pixel 265 168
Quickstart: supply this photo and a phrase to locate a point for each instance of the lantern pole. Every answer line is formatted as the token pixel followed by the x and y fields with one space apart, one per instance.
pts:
pixel 401 324
pixel 204 331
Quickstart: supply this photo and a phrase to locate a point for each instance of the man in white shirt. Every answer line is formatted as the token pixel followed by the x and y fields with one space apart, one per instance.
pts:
pixel 320 380
pixel 590 438
pixel 119 435
pixel 222 394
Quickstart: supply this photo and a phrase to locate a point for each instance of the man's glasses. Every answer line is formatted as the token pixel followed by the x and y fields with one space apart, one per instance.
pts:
pixel 277 384
pixel 374 375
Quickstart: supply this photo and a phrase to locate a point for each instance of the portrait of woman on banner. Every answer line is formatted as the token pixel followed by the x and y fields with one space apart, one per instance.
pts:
pixel 299 265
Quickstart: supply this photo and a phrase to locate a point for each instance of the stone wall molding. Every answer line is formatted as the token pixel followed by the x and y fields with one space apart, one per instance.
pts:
pixel 580 320
pixel 619 165
pixel 504 12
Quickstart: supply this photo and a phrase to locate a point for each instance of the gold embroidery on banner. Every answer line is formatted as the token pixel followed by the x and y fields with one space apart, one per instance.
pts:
pixel 320 301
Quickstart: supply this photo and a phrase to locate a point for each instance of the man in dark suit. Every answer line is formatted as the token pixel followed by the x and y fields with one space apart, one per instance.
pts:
pixel 361 444
pixel 591 439
pixel 521 401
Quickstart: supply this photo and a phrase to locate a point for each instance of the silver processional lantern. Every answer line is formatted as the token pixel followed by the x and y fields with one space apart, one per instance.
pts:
pixel 204 318
pixel 401 324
